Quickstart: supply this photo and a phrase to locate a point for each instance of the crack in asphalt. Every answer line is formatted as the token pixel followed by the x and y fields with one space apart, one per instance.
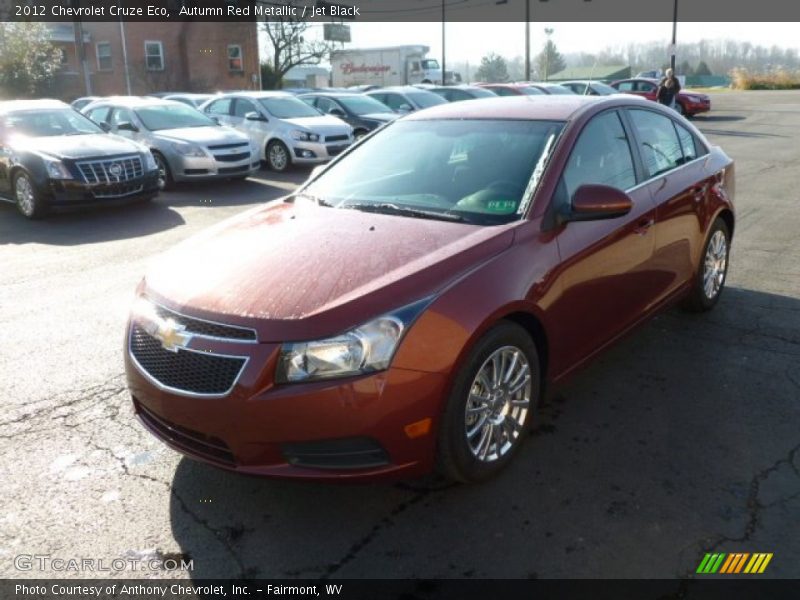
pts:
pixel 219 535
pixel 419 494
pixel 754 506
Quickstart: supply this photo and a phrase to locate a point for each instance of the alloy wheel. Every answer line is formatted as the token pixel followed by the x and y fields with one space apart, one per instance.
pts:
pixel 498 404
pixel 25 196
pixel 162 171
pixel 715 264
pixel 278 159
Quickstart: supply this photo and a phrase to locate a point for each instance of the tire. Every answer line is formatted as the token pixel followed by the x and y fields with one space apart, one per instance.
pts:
pixel 468 449
pixel 278 157
pixel 29 201
pixel 165 180
pixel 709 281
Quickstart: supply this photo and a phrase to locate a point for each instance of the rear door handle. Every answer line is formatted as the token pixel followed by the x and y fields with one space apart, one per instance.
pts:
pixel 643 226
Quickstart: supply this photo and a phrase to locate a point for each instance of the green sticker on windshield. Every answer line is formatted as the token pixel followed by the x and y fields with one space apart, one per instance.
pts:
pixel 501 207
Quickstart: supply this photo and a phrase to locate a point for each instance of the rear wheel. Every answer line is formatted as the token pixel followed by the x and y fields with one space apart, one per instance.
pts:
pixel 278 158
pixel 490 406
pixel 29 201
pixel 713 269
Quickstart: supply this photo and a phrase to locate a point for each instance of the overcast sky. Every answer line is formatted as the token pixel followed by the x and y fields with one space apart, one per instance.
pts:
pixel 471 41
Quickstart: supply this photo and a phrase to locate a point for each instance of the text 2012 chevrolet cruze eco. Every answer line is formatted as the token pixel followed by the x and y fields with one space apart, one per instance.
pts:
pixel 404 308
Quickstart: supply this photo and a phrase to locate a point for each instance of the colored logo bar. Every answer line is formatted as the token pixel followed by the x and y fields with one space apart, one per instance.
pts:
pixel 737 562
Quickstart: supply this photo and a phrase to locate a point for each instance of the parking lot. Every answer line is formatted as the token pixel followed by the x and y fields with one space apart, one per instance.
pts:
pixel 681 440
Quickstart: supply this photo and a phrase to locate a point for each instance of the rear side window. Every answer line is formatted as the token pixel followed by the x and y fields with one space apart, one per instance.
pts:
pixel 220 107
pixel 658 141
pixel 625 86
pixel 602 155
pixel 691 146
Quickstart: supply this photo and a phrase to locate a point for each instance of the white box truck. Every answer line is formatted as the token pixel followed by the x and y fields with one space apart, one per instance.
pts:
pixel 392 65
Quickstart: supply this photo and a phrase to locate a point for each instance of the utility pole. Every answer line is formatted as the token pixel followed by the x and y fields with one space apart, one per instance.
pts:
pixel 125 57
pixel 444 54
pixel 674 34
pixel 80 51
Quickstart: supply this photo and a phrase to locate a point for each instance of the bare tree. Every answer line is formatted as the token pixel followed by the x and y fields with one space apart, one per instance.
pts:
pixel 290 46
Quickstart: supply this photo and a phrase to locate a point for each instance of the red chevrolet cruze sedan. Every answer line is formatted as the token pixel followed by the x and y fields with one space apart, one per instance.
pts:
pixel 687 103
pixel 404 309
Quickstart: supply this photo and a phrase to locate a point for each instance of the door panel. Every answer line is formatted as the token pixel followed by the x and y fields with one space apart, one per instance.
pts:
pixel 606 276
pixel 678 192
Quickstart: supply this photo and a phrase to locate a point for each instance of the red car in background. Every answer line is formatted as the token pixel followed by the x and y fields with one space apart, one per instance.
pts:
pixel 512 89
pixel 688 103
pixel 405 308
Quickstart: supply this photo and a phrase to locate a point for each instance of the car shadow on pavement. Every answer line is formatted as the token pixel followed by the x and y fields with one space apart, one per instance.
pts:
pixel 717 118
pixel 88 226
pixel 238 192
pixel 681 438
pixel 741 134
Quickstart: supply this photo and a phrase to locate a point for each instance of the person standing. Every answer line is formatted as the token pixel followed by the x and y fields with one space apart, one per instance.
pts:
pixel 668 89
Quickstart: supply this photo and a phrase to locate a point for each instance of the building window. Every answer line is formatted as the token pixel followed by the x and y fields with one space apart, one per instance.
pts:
pixel 64 58
pixel 154 56
pixel 235 58
pixel 104 56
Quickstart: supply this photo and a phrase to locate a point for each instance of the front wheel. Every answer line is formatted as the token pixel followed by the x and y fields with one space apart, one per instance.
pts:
pixel 490 406
pixel 713 269
pixel 278 156
pixel 29 201
pixel 165 181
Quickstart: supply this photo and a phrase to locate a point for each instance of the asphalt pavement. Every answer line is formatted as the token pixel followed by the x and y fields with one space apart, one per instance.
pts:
pixel 681 440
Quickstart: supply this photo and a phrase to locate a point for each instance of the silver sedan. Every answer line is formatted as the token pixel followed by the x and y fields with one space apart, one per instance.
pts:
pixel 186 144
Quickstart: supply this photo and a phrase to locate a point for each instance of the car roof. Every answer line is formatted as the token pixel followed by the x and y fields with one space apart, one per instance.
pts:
pixel 257 94
pixel 334 94
pixel 542 108
pixel 400 89
pixel 14 105
pixel 134 101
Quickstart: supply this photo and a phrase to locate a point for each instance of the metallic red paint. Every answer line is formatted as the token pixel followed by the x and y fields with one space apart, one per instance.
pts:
pixel 297 271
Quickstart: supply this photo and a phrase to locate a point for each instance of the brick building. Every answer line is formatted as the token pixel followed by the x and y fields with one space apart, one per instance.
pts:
pixel 141 58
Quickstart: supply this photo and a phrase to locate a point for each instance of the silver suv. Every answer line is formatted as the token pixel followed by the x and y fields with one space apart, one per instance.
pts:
pixel 286 130
pixel 186 144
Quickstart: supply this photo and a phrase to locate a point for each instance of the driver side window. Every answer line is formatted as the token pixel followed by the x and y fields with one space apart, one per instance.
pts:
pixel 120 115
pixel 602 155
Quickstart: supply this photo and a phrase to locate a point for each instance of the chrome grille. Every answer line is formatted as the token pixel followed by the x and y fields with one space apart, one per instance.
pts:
pixel 184 371
pixel 111 170
pixel 207 328
pixel 232 157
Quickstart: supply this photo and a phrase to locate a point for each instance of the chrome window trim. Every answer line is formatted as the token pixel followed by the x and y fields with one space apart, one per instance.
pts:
pixel 660 175
pixel 179 391
pixel 212 337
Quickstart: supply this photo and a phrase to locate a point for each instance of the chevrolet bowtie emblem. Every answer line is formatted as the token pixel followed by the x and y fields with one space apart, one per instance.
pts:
pixel 172 335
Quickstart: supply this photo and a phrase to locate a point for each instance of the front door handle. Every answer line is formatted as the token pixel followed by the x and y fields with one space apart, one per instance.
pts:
pixel 643 226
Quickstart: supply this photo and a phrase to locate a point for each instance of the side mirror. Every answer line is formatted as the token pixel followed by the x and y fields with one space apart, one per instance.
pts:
pixel 127 126
pixel 592 202
pixel 215 119
pixel 336 112
pixel 254 116
pixel 105 126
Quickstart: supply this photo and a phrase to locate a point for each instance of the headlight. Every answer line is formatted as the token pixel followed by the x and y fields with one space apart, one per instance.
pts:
pixel 56 169
pixel 149 161
pixel 187 149
pixel 305 136
pixel 365 349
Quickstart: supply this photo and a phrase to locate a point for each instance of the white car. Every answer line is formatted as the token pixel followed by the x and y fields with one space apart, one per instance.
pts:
pixel 287 130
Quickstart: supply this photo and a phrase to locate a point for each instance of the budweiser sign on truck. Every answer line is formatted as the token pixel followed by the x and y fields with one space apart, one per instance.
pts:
pixel 392 65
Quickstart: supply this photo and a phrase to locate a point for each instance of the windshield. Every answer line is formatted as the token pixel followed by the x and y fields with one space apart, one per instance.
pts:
pixel 425 99
pixel 481 93
pixel 531 91
pixel 471 170
pixel 48 123
pixel 603 89
pixel 172 116
pixel 430 63
pixel 363 105
pixel 288 107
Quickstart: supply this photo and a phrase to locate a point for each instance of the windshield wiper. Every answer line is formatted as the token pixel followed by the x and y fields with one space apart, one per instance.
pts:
pixel 387 208
pixel 317 199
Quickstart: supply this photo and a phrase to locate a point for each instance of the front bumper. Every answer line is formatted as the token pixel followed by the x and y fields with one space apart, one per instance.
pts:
pixel 317 152
pixel 695 108
pixel 347 429
pixel 194 168
pixel 71 193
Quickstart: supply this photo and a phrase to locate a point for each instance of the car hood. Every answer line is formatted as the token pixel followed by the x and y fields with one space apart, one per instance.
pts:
pixel 302 271
pixel 202 135
pixel 78 146
pixel 323 124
